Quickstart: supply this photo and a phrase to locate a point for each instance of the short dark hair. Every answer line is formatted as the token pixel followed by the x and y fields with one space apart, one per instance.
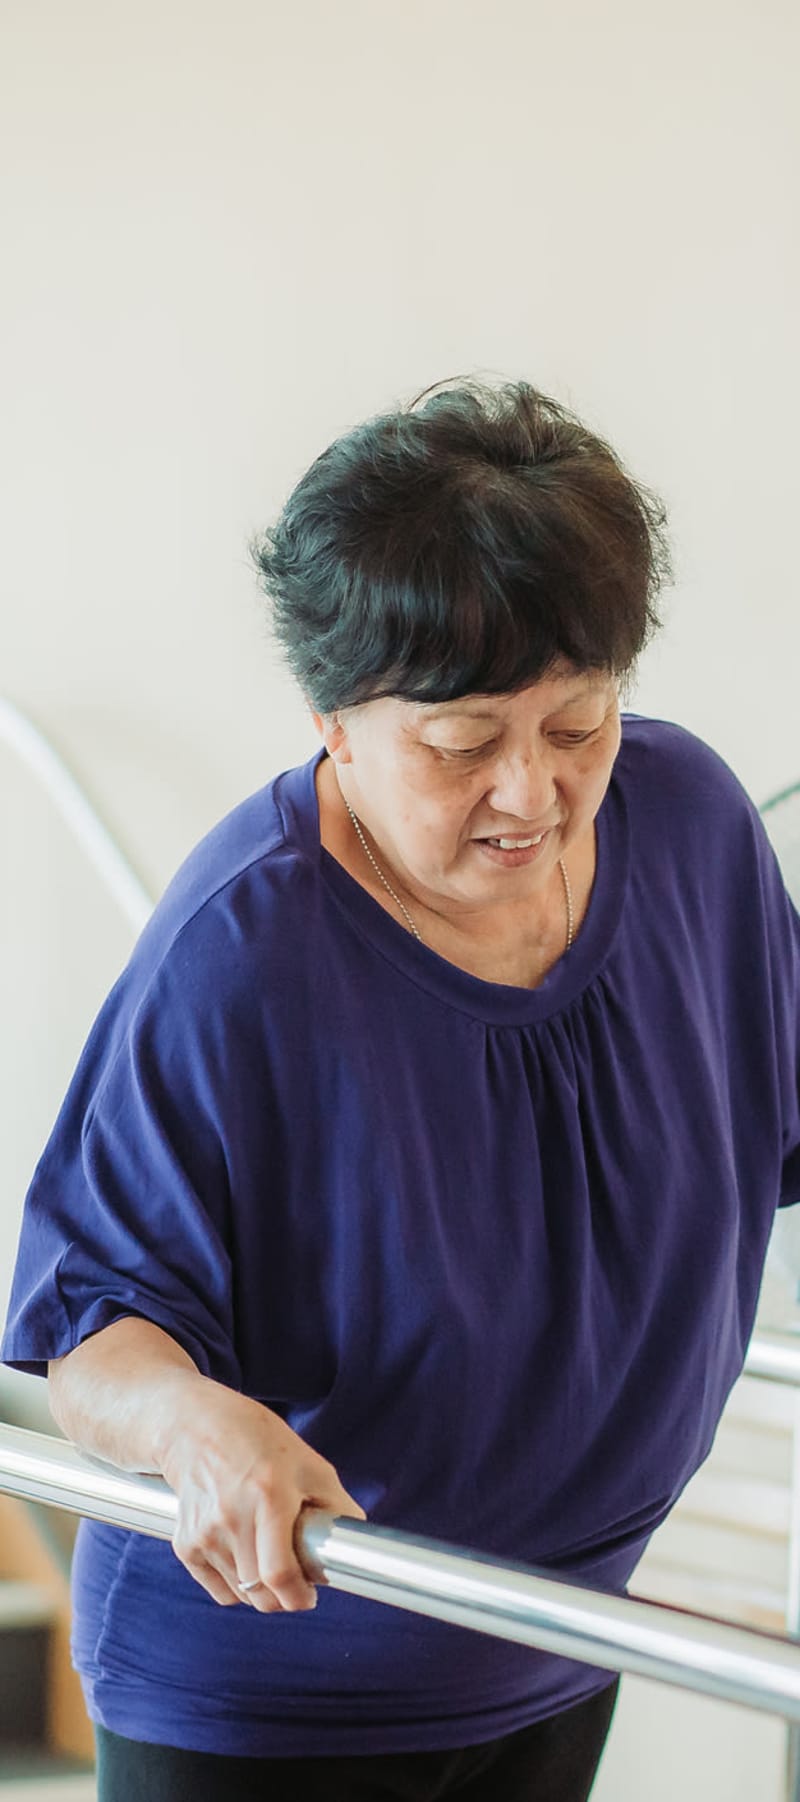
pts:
pixel 466 543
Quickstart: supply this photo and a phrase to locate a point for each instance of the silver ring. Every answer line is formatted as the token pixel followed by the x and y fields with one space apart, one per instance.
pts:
pixel 256 1584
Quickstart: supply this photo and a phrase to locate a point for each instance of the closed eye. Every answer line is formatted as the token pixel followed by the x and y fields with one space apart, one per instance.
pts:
pixel 471 751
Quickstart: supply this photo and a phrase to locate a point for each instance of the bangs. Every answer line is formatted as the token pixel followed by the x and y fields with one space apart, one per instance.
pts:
pixel 486 600
pixel 467 548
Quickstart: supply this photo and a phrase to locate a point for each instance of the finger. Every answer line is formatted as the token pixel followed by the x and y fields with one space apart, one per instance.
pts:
pixel 250 1586
pixel 241 1570
pixel 324 1490
pixel 258 1596
pixel 337 1501
pixel 278 1564
pixel 210 1558
pixel 212 1581
pixel 220 1562
pixel 221 1573
pixel 351 1509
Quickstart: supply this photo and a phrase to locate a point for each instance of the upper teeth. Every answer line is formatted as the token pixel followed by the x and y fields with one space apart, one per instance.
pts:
pixel 517 844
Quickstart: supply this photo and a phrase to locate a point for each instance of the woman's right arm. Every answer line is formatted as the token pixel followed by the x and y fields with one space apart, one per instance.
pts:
pixel 132 1395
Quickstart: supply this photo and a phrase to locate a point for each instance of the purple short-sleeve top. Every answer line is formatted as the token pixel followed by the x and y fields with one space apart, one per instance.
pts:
pixel 495 1252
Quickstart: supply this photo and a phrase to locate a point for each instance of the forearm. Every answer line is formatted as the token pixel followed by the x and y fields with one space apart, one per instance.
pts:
pixel 123 1394
pixel 130 1394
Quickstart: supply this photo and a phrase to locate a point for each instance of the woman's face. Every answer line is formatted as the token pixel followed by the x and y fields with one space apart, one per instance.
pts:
pixel 438 786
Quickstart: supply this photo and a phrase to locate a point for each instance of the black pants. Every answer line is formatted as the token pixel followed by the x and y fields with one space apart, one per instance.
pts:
pixel 553 1761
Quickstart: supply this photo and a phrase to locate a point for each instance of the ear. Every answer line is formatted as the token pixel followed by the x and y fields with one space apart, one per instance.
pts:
pixel 334 735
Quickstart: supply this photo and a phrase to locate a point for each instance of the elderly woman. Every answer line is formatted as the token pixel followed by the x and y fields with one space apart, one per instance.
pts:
pixel 423 1160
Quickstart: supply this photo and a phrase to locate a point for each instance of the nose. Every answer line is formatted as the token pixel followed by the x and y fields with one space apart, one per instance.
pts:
pixel 524 786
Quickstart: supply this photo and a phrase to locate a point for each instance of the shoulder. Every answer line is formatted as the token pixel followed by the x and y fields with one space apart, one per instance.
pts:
pixel 695 830
pixel 212 978
pixel 248 870
pixel 673 781
pixel 237 920
pixel 658 754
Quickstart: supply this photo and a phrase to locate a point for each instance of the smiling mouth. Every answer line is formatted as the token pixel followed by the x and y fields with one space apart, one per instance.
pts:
pixel 515 844
pixel 514 841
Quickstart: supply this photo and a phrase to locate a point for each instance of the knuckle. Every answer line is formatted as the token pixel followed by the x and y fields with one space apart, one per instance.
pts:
pixel 224 1521
pixel 193 1558
pixel 282 1576
pixel 264 1478
pixel 206 1539
pixel 186 1549
pixel 191 1539
pixel 198 1548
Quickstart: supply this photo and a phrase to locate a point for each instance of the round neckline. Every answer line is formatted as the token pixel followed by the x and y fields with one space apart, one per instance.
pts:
pixel 493 1002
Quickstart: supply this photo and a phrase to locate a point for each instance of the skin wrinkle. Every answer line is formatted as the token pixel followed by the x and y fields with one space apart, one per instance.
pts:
pixel 422 807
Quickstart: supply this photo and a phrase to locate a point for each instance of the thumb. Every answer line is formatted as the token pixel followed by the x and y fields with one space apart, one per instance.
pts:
pixel 305 1547
pixel 350 1507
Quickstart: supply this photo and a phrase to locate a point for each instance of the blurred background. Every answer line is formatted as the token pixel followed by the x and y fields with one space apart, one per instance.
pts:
pixel 230 232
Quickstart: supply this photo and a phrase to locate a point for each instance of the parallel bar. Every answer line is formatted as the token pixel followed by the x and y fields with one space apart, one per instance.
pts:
pixel 39 1468
pixel 793 1602
pixel 509 1601
pixel 777 1359
pixel 77 812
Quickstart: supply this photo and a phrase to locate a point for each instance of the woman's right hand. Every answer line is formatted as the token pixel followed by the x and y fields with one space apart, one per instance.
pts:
pixel 132 1395
pixel 242 1478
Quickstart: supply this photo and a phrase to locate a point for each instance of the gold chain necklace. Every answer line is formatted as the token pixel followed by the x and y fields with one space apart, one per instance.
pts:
pixel 404 910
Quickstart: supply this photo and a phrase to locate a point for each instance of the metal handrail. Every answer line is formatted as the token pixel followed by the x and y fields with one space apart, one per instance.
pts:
pixel 774 1357
pixel 509 1601
pixel 75 809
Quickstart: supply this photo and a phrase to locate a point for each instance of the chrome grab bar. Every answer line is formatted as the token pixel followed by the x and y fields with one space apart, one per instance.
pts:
pixel 510 1601
pixel 75 809
pixel 775 1357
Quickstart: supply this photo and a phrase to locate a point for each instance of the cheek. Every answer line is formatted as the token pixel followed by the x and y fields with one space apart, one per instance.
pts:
pixel 585 785
pixel 443 813
pixel 597 781
pixel 445 824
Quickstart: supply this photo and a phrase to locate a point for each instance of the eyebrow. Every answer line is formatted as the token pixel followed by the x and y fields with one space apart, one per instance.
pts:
pixel 451 712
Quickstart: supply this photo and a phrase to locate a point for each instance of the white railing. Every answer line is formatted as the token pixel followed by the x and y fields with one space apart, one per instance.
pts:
pixel 77 812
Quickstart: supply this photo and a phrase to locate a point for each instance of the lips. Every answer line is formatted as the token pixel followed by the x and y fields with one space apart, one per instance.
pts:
pixel 512 853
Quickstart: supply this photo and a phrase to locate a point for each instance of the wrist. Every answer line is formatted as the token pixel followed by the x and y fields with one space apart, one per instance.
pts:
pixel 181 1402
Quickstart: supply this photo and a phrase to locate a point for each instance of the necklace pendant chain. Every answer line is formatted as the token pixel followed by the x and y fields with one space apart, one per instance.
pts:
pixel 379 873
pixel 404 910
pixel 568 898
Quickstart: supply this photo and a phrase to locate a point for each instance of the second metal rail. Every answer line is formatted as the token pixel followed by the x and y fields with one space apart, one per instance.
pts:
pixel 509 1601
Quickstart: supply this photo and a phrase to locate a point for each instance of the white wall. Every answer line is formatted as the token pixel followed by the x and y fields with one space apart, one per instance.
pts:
pixel 232 230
